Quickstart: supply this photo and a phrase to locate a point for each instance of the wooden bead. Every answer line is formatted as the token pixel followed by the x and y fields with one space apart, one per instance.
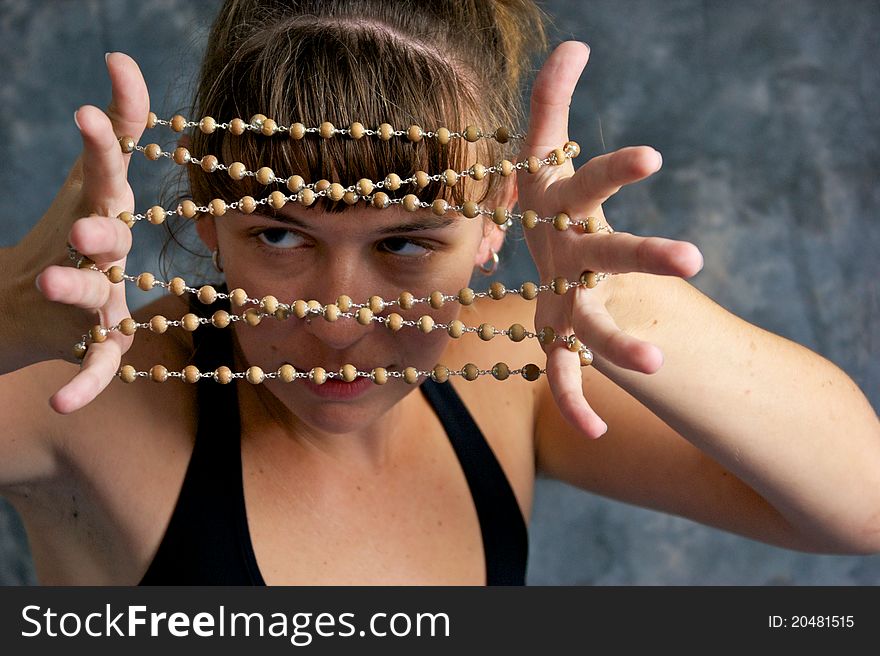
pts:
pixel 295 183
pixel 265 175
pixel 561 221
pixel 506 167
pixel 558 157
pixel 318 376
pixel 191 374
pixel 450 177
pixel 443 136
pixel 128 326
pixel 335 192
pixel 220 319
pixel 529 219
pixel 440 374
pixel 348 372
pixel 217 207
pixel 357 130
pixel 381 200
pixel 364 316
pixel 380 375
pixel 322 185
pixel 178 123
pixel 247 204
pixel 156 214
pixel 207 125
pixel 560 285
pixel 502 135
pixel 297 131
pixel 422 179
pixel 546 335
pixel 188 209
pixel 589 279
pixel 158 373
pixel 145 281
pixel 455 329
pixel 517 332
pixel 393 182
pixel 158 324
pixel 411 375
pixel 269 127
pixel 238 297
pixel 223 375
pixel 326 130
pixel 190 322
pixel 282 313
pixel 386 131
pixel 181 155
pixel 301 309
pixel 574 345
pixel 411 203
pixel 478 171
pixel 209 163
pixel 115 274
pixel 501 371
pixel 531 372
pixel 486 332
pixel 256 121
pixel 471 371
pixel 350 197
pixel 376 303
pixel 466 296
pixel 152 120
pixel 255 375
pixel 533 164
pixel 237 127
pixel 127 144
pixel 500 216
pixel 331 312
pixel 529 291
pixel 436 300
pixel 365 186
pixel 344 302
pixel 127 218
pixel 80 350
pixel 127 373
pixel 207 294
pixel 426 323
pixel 573 148
pixel 236 170
pixel 472 133
pixel 470 209
pixel 277 200
pixel 152 151
pixel 252 317
pixel 406 300
pixel 593 225
pixel 287 373
pixel 307 197
pixel 497 290
pixel 394 322
pixel 414 133
pixel 586 358
pixel 439 207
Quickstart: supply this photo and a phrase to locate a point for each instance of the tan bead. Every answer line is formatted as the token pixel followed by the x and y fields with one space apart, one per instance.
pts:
pixel 265 175
pixel 392 182
pixel 80 350
pixel 365 186
pixel 301 309
pixel 190 322
pixel 115 274
pixel 238 297
pixel 586 358
pixel 318 376
pixel 443 136
pixel 529 291
pixel 331 312
pixel 348 373
pixel 247 204
pixel 297 131
pixel 127 218
pixel 181 155
pixel 529 219
pixel 152 151
pixel 178 123
pixel 486 332
pixel 589 279
pixel 335 192
pixel 127 373
pixel 156 214
pixel 411 375
pixel 307 197
pixel 426 323
pixel 209 163
pixel 436 300
pixel 236 170
pixel 127 144
pixel 472 133
pixel 269 127
pixel 295 183
pixel 322 185
pixel 287 373
pixel 561 221
pixel 217 207
pixel 470 209
pixel 357 130
pixel 466 296
pixel 220 319
pixel 531 372
pixel 394 322
pixel 158 324
pixel 411 203
pixel 282 313
pixel 255 375
pixel 414 133
pixel 380 375
pixel 237 127
pixel 500 371
pixel 376 303
pixel 422 179
pixel 507 167
pixel 364 316
pixel 455 329
pixel 191 374
pixel 497 290
pixel 344 302
pixel 440 374
pixel 188 209
pixel 152 120
pixel 158 373
pixel 574 345
pixel 450 177
pixel 128 326
pixel 439 207
pixel 478 171
pixel 471 371
pixel 326 130
pixel 593 224
pixel 252 317
pixel 386 131
pixel 145 281
pixel 223 375
pixel 558 156
pixel 546 335
pixel 533 164
pixel 572 147
pixel 406 300
pixel 502 135
pixel 277 200
pixel 500 216
pixel 350 197
pixel 207 294
pixel 517 332
pixel 207 125
pixel 256 121
pixel 560 285
pixel 381 200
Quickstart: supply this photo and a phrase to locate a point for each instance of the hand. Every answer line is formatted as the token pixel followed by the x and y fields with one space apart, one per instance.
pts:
pixel 84 214
pixel 580 194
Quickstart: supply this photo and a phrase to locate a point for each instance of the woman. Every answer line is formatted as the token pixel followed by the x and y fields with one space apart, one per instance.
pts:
pixel 692 431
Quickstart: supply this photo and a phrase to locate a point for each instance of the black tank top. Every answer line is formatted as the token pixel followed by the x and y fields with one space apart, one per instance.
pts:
pixel 207 541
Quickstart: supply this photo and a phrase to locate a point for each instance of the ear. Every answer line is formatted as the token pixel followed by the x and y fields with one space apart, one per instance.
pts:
pixel 207 231
pixel 493 235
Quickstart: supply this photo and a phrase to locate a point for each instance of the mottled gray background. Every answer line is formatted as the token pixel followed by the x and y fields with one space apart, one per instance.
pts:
pixel 766 115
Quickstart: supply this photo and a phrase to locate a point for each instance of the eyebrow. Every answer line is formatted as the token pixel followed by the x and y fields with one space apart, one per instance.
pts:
pixel 431 222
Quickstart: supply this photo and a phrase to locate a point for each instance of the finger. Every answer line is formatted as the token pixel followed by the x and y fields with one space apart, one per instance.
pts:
pixel 99 367
pixel 622 252
pixel 101 238
pixel 130 100
pixel 82 288
pixel 551 95
pixel 603 176
pixel 565 377
pixel 595 326
pixel 104 171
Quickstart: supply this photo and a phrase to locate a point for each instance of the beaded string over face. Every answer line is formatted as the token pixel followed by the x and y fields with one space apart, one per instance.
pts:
pixel 252 311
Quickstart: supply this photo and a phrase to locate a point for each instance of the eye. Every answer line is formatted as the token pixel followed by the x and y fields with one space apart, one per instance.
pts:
pixel 279 238
pixel 403 247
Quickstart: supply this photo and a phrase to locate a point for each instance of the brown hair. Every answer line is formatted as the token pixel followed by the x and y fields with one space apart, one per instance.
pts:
pixel 435 63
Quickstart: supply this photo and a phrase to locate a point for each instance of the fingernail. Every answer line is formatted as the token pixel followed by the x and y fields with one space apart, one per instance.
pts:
pixel 37 284
pixel 604 429
pixel 106 57
pixel 78 126
pixel 659 158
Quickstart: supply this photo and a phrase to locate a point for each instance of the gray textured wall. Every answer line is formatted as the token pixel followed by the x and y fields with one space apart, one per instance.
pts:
pixel 766 114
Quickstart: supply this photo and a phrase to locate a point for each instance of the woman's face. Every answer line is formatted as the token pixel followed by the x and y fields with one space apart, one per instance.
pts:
pixel 309 254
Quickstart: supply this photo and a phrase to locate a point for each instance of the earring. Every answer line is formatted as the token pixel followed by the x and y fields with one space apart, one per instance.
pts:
pixel 494 266
pixel 215 258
